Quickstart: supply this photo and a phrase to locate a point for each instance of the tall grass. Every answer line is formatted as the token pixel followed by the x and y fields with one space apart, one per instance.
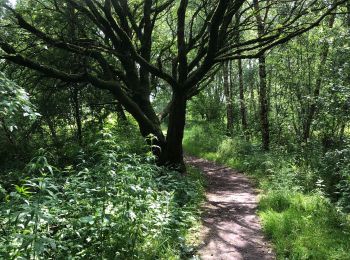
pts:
pixel 304 226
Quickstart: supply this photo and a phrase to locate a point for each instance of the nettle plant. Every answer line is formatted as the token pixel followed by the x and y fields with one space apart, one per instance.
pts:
pixel 338 161
pixel 113 205
pixel 14 104
pixel 26 212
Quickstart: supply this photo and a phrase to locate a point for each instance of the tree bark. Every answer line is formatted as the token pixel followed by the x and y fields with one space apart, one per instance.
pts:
pixel 172 153
pixel 228 98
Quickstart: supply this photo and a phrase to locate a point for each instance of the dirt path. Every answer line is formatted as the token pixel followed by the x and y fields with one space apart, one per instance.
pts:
pixel 231 228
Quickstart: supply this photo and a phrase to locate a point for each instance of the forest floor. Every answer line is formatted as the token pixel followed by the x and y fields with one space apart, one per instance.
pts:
pixel 231 228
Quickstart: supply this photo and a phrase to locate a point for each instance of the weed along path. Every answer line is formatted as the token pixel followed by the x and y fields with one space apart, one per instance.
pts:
pixel 231 228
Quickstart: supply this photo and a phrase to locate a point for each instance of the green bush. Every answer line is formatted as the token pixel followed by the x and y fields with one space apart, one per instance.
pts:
pixel 112 205
pixel 201 139
pixel 337 162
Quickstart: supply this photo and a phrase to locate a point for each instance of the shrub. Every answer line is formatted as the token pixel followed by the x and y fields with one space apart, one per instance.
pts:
pixel 200 139
pixel 112 205
pixel 336 172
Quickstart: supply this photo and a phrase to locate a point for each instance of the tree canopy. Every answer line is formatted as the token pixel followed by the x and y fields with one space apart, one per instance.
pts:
pixel 131 47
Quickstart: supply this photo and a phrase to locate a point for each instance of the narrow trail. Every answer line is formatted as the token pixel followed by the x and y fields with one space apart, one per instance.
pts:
pixel 231 228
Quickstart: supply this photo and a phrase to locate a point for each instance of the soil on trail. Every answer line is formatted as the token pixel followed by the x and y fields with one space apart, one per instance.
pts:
pixel 231 227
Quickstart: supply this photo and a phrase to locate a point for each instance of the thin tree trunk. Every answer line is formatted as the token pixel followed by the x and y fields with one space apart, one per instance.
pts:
pixel 252 103
pixel 241 86
pixel 316 94
pixel 348 20
pixel 228 98
pixel 52 132
pixel 72 30
pixel 264 109
pixel 120 113
pixel 77 114
pixel 243 108
pixel 263 92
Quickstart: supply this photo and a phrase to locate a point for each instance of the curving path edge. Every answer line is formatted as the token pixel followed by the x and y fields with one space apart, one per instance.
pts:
pixel 231 228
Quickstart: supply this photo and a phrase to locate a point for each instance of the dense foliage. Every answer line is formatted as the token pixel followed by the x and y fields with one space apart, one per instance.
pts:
pixel 106 199
pixel 98 98
pixel 111 204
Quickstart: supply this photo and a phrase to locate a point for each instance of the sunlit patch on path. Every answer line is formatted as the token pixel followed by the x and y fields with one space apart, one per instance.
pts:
pixel 231 228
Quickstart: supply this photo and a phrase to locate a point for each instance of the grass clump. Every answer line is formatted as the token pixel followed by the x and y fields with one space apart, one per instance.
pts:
pixel 304 226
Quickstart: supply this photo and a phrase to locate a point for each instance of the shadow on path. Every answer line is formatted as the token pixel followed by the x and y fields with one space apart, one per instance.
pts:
pixel 231 228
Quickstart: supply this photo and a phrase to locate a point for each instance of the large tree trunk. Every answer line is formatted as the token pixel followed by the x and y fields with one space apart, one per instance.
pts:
pixel 228 98
pixel 264 108
pixel 168 150
pixel 172 151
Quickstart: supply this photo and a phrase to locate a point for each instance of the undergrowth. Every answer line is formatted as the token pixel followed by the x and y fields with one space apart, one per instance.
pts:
pixel 303 209
pixel 111 204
